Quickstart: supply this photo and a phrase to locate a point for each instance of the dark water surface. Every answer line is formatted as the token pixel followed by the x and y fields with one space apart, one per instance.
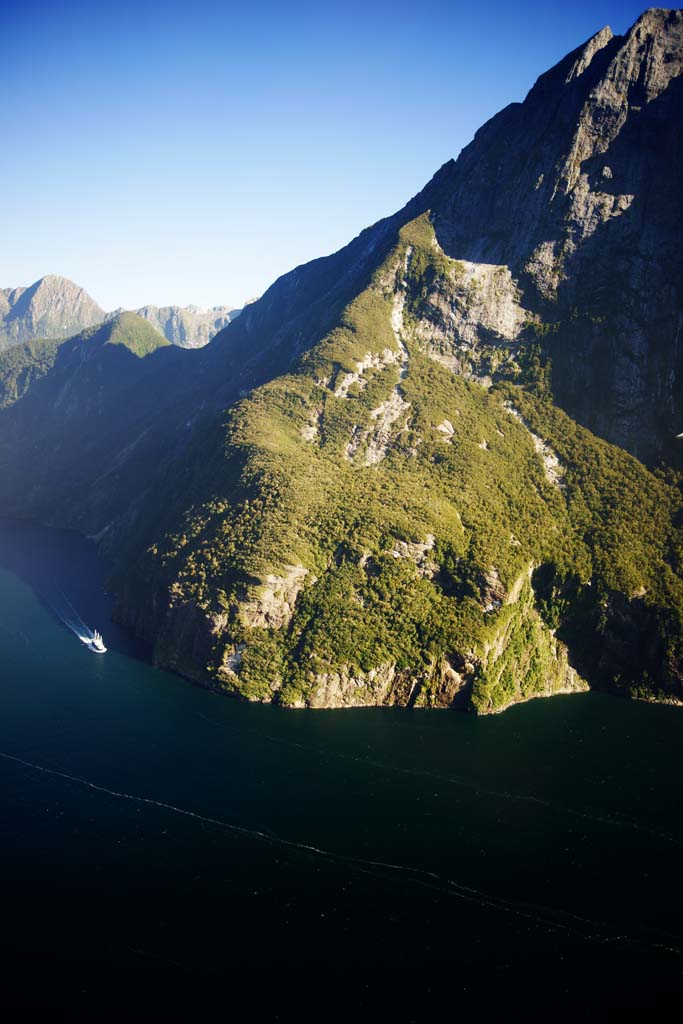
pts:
pixel 156 833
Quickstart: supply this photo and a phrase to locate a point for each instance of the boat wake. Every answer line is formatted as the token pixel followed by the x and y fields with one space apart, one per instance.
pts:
pixel 547 918
pixel 67 614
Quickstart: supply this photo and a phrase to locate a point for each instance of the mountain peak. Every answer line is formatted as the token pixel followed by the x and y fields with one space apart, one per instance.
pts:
pixel 54 287
pixel 51 307
pixel 588 51
pixel 652 52
pixel 57 280
pixel 129 330
pixel 56 307
pixel 656 18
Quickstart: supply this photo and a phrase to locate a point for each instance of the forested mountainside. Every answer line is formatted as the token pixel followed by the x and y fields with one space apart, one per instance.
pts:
pixel 425 470
pixel 56 308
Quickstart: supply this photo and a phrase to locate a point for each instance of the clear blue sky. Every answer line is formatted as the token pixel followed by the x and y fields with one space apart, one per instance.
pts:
pixel 192 152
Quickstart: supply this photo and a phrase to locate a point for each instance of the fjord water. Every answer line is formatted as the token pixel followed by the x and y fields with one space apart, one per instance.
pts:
pixel 153 829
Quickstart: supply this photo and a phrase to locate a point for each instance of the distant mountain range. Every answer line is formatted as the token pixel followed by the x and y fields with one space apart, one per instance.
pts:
pixel 55 307
pixel 438 468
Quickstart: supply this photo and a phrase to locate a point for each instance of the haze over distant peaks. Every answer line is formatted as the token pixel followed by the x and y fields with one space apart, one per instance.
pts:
pixel 55 307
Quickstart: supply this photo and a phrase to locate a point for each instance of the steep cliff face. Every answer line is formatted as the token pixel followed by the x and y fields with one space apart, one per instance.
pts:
pixel 577 193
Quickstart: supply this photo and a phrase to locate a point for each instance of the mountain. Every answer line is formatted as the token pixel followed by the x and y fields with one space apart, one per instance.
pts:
pixel 437 468
pixel 78 407
pixel 52 307
pixel 24 365
pixel 55 307
pixel 594 161
pixel 189 326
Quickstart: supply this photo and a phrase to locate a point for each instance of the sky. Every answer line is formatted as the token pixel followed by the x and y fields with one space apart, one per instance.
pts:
pixel 176 153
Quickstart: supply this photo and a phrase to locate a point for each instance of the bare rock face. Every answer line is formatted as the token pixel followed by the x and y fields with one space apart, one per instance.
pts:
pixel 577 194
pixel 348 689
pixel 273 601
pixel 53 307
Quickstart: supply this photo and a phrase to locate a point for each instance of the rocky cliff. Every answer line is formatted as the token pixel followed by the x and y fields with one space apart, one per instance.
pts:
pixel 593 161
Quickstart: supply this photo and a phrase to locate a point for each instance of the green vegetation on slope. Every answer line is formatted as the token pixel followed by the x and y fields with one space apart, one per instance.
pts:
pixel 129 330
pixel 371 512
pixel 22 365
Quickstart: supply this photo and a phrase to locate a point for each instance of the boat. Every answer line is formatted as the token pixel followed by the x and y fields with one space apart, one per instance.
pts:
pixel 96 643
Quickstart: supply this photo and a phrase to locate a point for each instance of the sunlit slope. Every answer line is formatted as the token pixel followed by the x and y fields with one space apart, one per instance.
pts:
pixel 375 528
pixel 368 488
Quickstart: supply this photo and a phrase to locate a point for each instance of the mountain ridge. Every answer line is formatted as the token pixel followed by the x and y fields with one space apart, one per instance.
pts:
pixel 467 193
pixel 407 474
pixel 55 307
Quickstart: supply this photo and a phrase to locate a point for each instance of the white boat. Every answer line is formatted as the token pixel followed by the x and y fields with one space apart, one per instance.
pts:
pixel 96 643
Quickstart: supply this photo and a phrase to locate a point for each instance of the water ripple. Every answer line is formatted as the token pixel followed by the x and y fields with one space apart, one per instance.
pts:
pixel 548 918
